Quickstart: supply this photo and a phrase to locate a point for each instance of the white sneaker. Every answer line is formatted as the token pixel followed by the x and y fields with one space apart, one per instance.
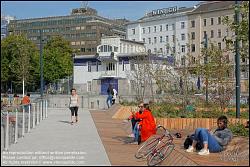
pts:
pixel 203 152
pixel 131 135
pixel 190 149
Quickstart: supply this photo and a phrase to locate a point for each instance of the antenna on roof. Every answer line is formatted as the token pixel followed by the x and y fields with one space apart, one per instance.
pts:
pixel 84 4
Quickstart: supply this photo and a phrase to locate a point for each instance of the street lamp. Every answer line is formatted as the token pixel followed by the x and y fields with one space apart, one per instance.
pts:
pixel 205 43
pixel 41 64
pixel 73 57
pixel 237 61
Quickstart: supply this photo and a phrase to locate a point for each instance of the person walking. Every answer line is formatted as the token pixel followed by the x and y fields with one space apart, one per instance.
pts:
pixel 110 94
pixel 74 105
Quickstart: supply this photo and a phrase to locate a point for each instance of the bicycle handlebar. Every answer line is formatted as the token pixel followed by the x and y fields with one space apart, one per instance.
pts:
pixel 166 131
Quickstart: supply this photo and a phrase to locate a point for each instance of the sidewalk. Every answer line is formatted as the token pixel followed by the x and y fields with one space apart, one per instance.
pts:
pixel 55 140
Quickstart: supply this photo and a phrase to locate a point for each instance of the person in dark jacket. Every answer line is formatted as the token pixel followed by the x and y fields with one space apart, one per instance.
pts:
pixel 212 141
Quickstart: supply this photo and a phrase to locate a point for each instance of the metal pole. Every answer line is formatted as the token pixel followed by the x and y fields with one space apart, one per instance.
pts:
pixel 237 62
pixel 37 112
pixel 41 64
pixel 29 120
pixel 206 46
pixel 7 132
pixel 16 126
pixel 23 128
pixel 33 114
pixel 46 109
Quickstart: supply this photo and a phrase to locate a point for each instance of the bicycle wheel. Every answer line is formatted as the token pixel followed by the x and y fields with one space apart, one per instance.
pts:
pixel 147 147
pixel 160 155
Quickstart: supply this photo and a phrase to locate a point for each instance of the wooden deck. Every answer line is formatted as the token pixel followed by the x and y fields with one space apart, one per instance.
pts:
pixel 113 133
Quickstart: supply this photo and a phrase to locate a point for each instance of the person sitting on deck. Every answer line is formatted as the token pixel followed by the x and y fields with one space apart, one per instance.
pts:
pixel 212 141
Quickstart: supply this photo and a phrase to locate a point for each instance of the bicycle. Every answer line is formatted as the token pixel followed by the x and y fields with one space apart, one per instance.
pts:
pixel 156 149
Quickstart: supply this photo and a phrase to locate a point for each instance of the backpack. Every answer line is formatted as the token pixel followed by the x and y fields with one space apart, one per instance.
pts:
pixel 189 141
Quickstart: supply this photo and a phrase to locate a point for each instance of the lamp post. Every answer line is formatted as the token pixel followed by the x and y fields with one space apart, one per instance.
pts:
pixel 206 46
pixel 237 62
pixel 73 57
pixel 41 64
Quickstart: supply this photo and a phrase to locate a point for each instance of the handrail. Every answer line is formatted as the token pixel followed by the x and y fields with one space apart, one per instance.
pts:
pixel 38 109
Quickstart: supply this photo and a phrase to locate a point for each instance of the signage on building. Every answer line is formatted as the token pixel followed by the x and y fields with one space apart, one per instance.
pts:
pixel 164 11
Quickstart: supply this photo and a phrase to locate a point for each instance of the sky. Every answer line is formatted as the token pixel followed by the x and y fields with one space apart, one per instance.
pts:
pixel 131 10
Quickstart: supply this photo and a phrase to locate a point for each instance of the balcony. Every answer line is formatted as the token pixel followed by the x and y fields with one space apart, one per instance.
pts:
pixel 108 74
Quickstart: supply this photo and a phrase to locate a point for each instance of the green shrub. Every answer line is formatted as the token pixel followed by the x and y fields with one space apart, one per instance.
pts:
pixel 239 129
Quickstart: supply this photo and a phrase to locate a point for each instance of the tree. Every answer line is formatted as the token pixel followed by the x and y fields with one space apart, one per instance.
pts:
pixel 242 28
pixel 217 70
pixel 57 57
pixel 18 63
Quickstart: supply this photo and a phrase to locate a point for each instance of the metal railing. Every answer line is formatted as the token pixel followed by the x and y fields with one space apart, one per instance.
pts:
pixel 20 119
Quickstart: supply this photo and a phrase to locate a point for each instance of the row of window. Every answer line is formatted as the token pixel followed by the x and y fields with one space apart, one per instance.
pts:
pixel 109 66
pixel 83 42
pixel 182 26
pixel 52 22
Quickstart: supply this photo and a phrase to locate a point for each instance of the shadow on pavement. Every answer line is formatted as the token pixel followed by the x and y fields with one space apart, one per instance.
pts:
pixel 124 139
pixel 67 122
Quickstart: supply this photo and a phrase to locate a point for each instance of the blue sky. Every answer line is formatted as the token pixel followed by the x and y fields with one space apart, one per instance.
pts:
pixel 131 10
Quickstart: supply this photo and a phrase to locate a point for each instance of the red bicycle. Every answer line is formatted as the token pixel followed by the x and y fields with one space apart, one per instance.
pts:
pixel 157 148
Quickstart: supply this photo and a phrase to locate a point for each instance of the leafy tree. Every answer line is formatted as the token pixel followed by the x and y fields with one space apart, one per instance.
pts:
pixel 57 59
pixel 18 63
pixel 242 28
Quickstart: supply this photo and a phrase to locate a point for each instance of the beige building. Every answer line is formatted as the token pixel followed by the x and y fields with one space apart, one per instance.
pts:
pixel 206 18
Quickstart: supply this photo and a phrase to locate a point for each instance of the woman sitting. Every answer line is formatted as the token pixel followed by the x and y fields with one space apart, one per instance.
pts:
pixel 212 141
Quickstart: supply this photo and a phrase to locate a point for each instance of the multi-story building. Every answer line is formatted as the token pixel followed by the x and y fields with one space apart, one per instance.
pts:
pixel 179 33
pixel 5 20
pixel 206 18
pixel 164 31
pixel 109 66
pixel 83 28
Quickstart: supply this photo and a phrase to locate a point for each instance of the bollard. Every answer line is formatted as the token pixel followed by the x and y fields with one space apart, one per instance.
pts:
pixel 7 132
pixel 16 126
pixel 33 114
pixel 43 110
pixel 23 122
pixel 37 112
pixel 29 120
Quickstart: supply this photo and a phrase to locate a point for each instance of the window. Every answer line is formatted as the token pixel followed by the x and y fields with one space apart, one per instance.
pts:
pixel 144 40
pixel 182 37
pixel 173 37
pixel 167 50
pixel 193 47
pixel 148 29
pixel 110 66
pixel 183 61
pixel 183 48
pixel 154 28
pixel 155 40
pixel 143 30
pixel 167 38
pixel 182 25
pixel 167 27
pixel 219 33
pixel 173 27
pixel 123 65
pixel 204 22
pixel 193 24
pixel 219 20
pixel 212 33
pixel 160 50
pixel 204 34
pixel 82 49
pixel 155 50
pixel 192 35
pixel 219 45
pixel 89 66
pixel 73 43
pixel 160 39
pixel 173 48
pixel 212 21
pixel 89 86
pixel 133 31
pixel 132 66
pixel 149 40
pixel 160 27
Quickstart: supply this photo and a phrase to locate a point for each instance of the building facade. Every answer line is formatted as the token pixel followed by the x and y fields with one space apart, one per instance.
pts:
pixel 5 20
pixel 179 33
pixel 83 28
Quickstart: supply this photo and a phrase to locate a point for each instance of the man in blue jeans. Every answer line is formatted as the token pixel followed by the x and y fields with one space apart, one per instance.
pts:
pixel 110 95
pixel 213 142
